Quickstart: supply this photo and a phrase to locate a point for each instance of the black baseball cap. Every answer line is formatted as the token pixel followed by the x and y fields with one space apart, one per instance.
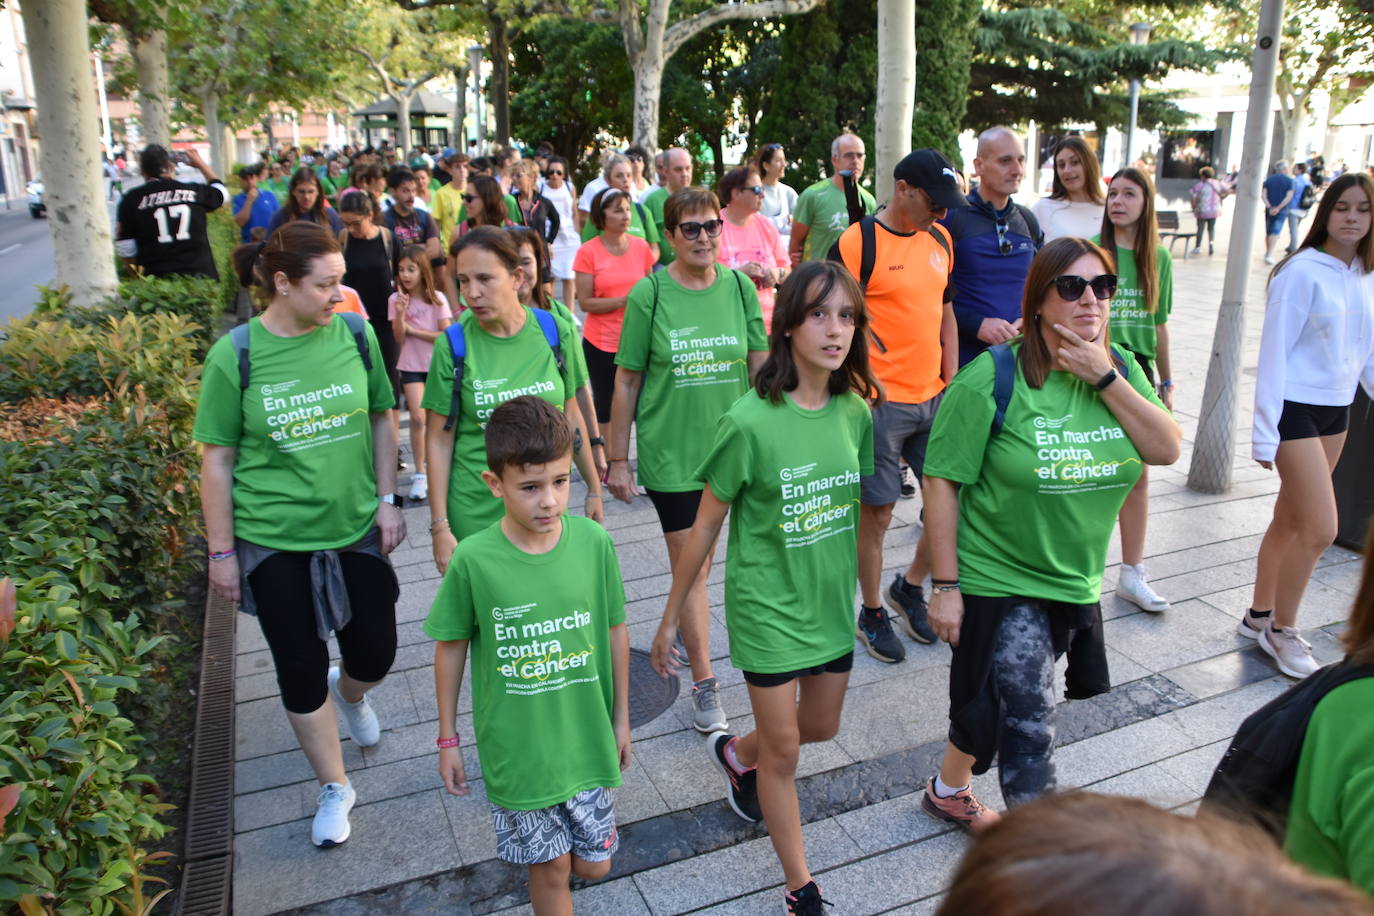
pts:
pixel 929 170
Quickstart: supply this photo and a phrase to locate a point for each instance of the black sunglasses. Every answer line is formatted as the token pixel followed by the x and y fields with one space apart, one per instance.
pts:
pixel 692 231
pixel 555 173
pixel 1071 287
pixel 469 198
pixel 756 188
pixel 1004 243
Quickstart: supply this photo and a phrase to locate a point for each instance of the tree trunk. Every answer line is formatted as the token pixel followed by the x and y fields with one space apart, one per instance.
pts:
pixel 214 132
pixel 1292 128
pixel 402 100
pixel 498 92
pixel 648 71
pixel 460 110
pixel 267 129
pixel 896 85
pixel 78 218
pixel 150 60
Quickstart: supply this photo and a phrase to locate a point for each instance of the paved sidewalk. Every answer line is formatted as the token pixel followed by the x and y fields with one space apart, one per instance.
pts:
pixel 1184 681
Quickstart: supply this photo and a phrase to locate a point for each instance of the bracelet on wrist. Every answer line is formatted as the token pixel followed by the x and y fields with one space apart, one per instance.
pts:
pixel 446 742
pixel 437 522
pixel 1106 380
pixel 935 581
pixel 593 496
pixel 941 589
pixel 614 460
pixel 1166 383
pixel 597 440
pixel 222 554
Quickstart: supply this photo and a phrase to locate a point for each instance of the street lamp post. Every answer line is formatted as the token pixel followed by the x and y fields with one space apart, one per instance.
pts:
pixel 1140 34
pixel 475 65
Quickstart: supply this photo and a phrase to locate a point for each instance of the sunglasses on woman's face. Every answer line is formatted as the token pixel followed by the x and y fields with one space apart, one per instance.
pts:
pixel 1071 287
pixel 555 173
pixel 469 198
pixel 692 231
pixel 756 188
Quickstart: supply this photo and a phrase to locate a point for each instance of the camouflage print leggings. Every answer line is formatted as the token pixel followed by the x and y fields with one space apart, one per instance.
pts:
pixel 1023 667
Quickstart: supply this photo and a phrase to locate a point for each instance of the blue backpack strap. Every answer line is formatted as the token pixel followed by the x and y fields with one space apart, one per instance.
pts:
pixel 1003 381
pixel 1120 359
pixel 458 346
pixel 357 325
pixel 239 338
pixel 549 325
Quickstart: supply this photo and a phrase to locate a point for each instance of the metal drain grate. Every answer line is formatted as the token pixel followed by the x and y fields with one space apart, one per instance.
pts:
pixel 207 874
pixel 650 694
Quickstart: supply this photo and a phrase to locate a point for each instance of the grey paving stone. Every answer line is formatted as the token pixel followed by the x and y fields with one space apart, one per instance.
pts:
pixel 416 599
pixel 1195 584
pixel 1152 782
pixel 1217 718
pixel 891 823
pixel 1222 673
pixel 257 686
pixel 1093 759
pixel 619 897
pixel 637 798
pixel 1343 576
pixel 738 870
pixel 261 728
pixel 1190 631
pixel 469 818
pixel 274 806
pixel 878 719
pixel 1194 768
pixel 926 907
pixel 417 740
pixel 1321 604
pixel 277 868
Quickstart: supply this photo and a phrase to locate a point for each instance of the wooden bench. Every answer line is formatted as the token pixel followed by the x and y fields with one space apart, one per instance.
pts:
pixel 1167 220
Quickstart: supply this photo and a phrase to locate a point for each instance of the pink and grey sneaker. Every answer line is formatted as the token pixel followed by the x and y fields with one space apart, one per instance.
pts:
pixel 961 809
pixel 805 901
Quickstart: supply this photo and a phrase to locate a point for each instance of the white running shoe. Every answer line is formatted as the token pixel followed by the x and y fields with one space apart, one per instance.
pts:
pixel 358 717
pixel 707 713
pixel 419 487
pixel 1134 587
pixel 1286 646
pixel 331 827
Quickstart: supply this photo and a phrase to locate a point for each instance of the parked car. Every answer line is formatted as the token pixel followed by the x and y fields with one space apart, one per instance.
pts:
pixel 37 208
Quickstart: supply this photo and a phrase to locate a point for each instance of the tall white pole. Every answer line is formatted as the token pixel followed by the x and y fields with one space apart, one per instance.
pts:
pixel 1213 453
pixel 896 88
pixel 105 134
pixel 1140 34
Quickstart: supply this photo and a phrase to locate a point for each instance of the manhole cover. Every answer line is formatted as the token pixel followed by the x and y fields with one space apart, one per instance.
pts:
pixel 650 694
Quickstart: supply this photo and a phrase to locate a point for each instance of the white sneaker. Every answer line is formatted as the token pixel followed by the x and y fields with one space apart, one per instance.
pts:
pixel 1133 586
pixel 419 487
pixel 1252 625
pixel 1197 250
pixel 1269 259
pixel 331 827
pixel 358 717
pixel 707 714
pixel 1286 646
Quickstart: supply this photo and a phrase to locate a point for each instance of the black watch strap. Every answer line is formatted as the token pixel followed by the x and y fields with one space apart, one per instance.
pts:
pixel 597 440
pixel 1106 380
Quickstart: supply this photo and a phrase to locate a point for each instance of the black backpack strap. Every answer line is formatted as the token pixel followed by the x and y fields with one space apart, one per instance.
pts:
pixel 653 314
pixel 868 237
pixel 1003 381
pixel 458 347
pixel 239 338
pixel 358 327
pixel 1036 236
pixel 853 203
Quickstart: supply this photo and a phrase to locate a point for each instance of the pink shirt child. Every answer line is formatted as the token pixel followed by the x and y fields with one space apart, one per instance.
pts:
pixel 423 316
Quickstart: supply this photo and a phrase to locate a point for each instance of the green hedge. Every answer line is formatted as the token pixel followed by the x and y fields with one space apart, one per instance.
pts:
pixel 98 498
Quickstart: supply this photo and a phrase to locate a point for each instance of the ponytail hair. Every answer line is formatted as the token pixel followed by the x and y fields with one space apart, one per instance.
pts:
pixel 291 250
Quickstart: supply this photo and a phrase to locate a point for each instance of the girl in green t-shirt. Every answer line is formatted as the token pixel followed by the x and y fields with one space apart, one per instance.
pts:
pixel 1139 324
pixel 787 459
pixel 507 355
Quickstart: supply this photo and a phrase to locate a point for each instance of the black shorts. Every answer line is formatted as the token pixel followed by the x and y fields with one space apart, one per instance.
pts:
pixel 413 378
pixel 842 665
pixel 1309 421
pixel 676 511
pixel 601 374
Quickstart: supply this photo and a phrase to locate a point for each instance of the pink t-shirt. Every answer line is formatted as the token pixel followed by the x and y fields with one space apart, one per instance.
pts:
pixel 757 240
pixel 612 276
pixel 415 353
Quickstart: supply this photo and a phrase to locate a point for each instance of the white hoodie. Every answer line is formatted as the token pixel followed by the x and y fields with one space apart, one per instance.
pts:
pixel 1318 341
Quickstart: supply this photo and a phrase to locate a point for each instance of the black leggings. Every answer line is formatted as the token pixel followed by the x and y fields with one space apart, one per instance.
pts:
pixel 601 373
pixel 1210 224
pixel 281 589
pixel 1023 668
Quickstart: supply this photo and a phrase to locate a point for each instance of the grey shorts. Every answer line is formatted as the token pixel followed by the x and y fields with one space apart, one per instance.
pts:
pixel 583 825
pixel 899 431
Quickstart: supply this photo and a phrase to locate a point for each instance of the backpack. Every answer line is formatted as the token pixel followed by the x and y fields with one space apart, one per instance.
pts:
pixel 1309 196
pixel 1254 780
pixel 387 244
pixel 458 346
pixel 357 325
pixel 1004 379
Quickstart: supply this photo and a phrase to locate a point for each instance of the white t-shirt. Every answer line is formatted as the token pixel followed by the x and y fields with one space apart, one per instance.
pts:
pixel 1060 218
pixel 594 187
pixel 562 201
pixel 778 202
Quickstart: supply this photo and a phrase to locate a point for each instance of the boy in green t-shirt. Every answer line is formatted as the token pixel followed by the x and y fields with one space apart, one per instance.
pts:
pixel 538 595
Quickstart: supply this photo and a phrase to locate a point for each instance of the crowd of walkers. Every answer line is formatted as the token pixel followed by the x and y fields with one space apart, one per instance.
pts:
pixel 774 356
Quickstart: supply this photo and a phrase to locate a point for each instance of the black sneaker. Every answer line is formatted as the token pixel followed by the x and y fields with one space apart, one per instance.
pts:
pixel 741 789
pixel 909 603
pixel 805 900
pixel 876 632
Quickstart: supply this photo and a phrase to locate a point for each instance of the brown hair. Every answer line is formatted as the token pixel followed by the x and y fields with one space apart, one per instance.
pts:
pixel 1084 854
pixel 734 180
pixel 1206 172
pixel 417 255
pixel 291 251
pixel 809 284
pixel 1051 261
pixel 1359 631
pixel 1092 170
pixel 603 201
pixel 527 430
pixel 1316 235
pixel 763 156
pixel 495 240
pixel 688 200
pixel 523 236
pixel 488 189
pixel 1146 248
pixel 306 175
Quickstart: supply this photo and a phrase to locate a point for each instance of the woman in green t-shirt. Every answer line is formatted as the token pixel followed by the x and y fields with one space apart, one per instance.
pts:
pixel 786 461
pixel 1019 515
pixel 298 489
pixel 1139 325
pixel 507 355
pixel 691 341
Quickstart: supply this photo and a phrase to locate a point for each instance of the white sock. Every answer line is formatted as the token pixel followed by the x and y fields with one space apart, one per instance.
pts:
pixel 944 791
pixel 731 759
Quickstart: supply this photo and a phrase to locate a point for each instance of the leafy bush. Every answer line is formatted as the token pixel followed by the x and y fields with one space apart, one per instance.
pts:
pixel 198 300
pixel 225 236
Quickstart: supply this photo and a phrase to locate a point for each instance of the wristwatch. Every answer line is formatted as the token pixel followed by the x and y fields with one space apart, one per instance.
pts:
pixel 597 440
pixel 392 499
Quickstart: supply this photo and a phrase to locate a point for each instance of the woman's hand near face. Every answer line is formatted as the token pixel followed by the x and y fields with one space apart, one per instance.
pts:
pixel 1086 359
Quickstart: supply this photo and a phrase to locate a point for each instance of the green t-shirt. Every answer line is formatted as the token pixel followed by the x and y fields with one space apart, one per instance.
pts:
pixel 654 204
pixel 694 353
pixel 642 226
pixel 276 187
pixel 577 359
pixel 1039 500
pixel 543 689
pixel 792 478
pixel 823 209
pixel 303 472
pixel 495 370
pixel 1331 821
pixel 1132 325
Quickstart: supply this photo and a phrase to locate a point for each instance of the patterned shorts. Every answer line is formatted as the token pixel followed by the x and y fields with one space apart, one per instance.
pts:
pixel 583 825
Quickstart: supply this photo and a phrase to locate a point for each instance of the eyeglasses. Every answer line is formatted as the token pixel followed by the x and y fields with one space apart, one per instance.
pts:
pixel 1071 287
pixel 555 173
pixel 756 188
pixel 692 231
pixel 1004 243
pixel 469 198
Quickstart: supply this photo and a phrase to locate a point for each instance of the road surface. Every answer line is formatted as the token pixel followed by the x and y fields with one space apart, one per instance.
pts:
pixel 26 261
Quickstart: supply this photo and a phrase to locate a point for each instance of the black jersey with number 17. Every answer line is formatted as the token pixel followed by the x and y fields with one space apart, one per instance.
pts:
pixel 166 219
